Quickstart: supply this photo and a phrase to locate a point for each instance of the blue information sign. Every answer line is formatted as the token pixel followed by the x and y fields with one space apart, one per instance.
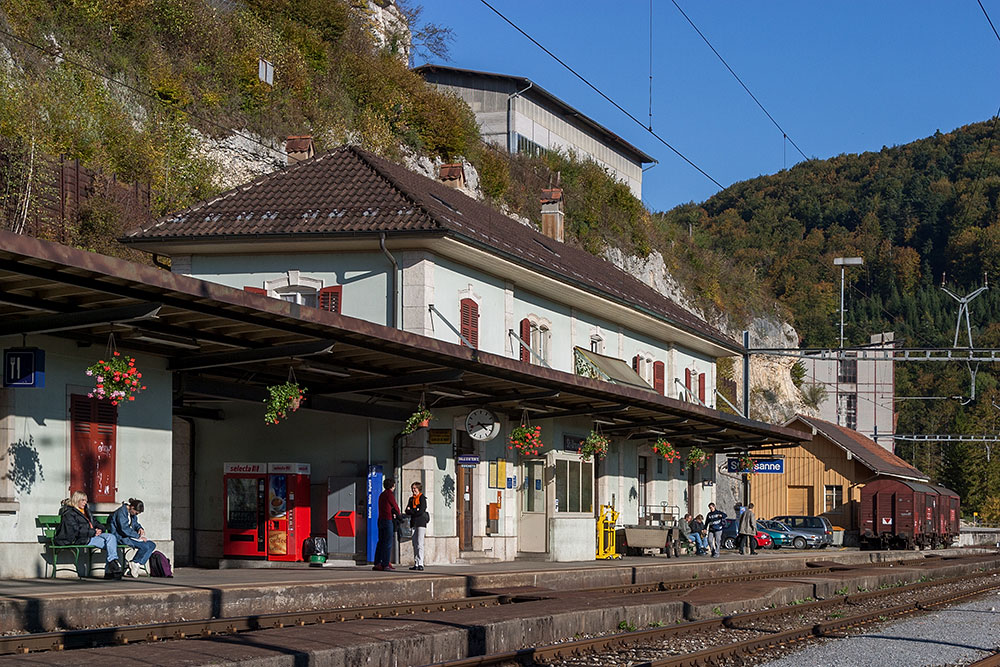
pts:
pixel 760 466
pixel 468 460
pixel 374 490
pixel 23 367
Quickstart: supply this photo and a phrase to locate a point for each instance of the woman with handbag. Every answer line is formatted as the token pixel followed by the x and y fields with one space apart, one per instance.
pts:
pixel 416 509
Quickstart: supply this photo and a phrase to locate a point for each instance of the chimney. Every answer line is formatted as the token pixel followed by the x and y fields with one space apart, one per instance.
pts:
pixel 299 148
pixel 452 175
pixel 552 213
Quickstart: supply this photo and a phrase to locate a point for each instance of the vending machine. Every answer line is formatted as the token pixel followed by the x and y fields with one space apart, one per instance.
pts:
pixel 266 512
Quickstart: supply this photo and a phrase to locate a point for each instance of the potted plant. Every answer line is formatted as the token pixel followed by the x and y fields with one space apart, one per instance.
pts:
pixel 419 419
pixel 696 457
pixel 284 398
pixel 746 463
pixel 596 445
pixel 663 448
pixel 526 439
pixel 116 380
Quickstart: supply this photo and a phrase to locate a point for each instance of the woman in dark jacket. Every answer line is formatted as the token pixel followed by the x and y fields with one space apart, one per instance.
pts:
pixel 76 526
pixel 416 509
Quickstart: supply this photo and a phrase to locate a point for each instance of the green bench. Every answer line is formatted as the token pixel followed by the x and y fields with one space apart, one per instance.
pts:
pixel 49 524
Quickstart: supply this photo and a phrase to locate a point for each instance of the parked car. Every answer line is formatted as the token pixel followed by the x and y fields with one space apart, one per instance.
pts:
pixel 785 536
pixel 815 525
pixel 730 536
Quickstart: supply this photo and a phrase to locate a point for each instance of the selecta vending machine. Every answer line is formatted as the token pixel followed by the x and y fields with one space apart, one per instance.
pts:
pixel 266 513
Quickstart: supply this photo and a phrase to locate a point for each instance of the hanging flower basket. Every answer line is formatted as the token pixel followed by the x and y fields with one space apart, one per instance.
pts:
pixel 746 464
pixel 116 379
pixel 596 445
pixel 526 439
pixel 284 398
pixel 663 448
pixel 696 457
pixel 422 417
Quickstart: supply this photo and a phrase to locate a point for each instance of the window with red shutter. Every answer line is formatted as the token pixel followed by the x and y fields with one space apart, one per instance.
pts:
pixel 701 387
pixel 470 322
pixel 330 298
pixel 92 449
pixel 526 337
pixel 255 290
pixel 659 381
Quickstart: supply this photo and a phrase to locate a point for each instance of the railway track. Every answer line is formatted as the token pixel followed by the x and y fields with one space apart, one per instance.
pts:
pixel 600 650
pixel 118 635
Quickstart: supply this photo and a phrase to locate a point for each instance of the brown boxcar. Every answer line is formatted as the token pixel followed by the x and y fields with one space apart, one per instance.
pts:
pixel 898 514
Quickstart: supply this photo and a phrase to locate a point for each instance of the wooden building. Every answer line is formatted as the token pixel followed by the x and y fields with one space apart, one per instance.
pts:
pixel 824 477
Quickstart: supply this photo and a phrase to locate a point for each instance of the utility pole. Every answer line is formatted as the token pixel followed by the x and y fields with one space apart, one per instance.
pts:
pixel 844 262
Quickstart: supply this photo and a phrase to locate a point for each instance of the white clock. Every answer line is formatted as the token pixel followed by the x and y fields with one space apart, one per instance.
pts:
pixel 481 424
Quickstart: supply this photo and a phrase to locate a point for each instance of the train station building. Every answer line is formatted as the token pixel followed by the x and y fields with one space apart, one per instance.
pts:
pixel 377 291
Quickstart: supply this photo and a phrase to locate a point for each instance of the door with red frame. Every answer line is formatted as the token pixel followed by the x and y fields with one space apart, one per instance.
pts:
pixel 92 448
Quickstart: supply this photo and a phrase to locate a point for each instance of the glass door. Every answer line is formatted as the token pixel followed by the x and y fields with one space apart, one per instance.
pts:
pixel 532 528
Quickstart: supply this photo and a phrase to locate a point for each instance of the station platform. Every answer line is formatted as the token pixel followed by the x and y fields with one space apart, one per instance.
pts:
pixel 38 605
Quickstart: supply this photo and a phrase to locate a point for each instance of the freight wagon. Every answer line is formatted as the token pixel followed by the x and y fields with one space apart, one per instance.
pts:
pixel 897 514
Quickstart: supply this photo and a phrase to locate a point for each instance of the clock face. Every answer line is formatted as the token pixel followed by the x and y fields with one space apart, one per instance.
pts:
pixel 481 424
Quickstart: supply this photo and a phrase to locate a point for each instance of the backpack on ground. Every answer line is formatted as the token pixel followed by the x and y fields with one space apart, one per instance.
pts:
pixel 159 565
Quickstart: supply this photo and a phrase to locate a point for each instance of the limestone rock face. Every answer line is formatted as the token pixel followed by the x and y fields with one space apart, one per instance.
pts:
pixel 240 159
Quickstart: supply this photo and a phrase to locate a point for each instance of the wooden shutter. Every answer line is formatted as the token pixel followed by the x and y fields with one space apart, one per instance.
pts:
pixel 701 387
pixel 470 322
pixel 659 382
pixel 92 449
pixel 526 337
pixel 687 383
pixel 255 290
pixel 330 298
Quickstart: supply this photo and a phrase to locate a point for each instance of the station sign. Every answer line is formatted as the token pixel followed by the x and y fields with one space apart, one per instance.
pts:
pixel 467 460
pixel 760 466
pixel 24 367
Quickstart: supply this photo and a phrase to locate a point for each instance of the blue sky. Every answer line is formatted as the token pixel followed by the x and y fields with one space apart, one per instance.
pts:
pixel 839 77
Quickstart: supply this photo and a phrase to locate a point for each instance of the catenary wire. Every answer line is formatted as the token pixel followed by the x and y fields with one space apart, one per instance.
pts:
pixel 737 77
pixel 601 93
pixel 138 91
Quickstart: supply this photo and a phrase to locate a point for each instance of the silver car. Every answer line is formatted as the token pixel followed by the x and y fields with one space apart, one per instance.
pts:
pixel 819 526
pixel 790 537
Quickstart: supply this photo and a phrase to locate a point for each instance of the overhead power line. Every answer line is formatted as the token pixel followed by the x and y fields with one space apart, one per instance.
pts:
pixel 138 91
pixel 737 77
pixel 602 94
pixel 987 15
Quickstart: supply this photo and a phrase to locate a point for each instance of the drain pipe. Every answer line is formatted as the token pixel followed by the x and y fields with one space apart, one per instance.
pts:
pixel 395 281
pixel 511 145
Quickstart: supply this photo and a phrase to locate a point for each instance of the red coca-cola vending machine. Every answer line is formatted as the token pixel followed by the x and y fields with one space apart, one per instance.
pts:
pixel 266 513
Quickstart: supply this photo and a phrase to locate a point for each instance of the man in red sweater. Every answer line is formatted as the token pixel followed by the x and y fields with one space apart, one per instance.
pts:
pixel 387 511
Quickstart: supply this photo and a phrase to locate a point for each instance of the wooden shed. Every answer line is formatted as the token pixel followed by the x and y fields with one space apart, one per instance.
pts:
pixel 824 477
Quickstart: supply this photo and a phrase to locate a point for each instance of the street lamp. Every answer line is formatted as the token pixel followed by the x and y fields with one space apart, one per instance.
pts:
pixel 842 262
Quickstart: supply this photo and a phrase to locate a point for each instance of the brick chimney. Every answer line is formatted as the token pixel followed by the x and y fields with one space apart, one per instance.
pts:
pixel 299 148
pixel 452 175
pixel 552 213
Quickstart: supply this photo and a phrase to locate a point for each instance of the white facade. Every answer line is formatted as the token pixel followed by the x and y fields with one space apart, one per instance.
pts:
pixel 860 393
pixel 35 425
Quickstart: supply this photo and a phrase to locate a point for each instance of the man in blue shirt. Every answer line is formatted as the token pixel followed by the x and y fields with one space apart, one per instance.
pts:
pixel 714 519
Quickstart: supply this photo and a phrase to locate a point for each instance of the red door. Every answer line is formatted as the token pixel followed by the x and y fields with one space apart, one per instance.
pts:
pixel 92 448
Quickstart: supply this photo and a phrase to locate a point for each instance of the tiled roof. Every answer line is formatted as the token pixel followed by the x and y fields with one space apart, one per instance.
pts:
pixel 879 459
pixel 350 192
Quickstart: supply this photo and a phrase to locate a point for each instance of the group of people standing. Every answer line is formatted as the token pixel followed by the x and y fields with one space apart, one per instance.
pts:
pixel 388 512
pixel 77 526
pixel 705 532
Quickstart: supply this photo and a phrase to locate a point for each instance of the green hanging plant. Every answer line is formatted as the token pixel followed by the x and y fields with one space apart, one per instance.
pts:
pixel 594 445
pixel 284 398
pixel 419 418
pixel 746 464
pixel 664 448
pixel 696 457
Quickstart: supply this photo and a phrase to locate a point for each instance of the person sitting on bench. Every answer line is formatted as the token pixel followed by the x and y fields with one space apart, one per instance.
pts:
pixel 125 525
pixel 76 526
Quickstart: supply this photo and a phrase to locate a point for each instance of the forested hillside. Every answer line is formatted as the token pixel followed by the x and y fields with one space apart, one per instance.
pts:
pixel 914 213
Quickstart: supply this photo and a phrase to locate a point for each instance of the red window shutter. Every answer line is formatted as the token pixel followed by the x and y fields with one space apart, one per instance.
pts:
pixel 659 382
pixel 687 378
pixel 526 337
pixel 701 387
pixel 92 449
pixel 330 298
pixel 255 290
pixel 470 322
pixel 635 363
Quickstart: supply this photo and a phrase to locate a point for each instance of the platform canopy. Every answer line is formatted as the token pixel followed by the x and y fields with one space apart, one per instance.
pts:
pixel 225 343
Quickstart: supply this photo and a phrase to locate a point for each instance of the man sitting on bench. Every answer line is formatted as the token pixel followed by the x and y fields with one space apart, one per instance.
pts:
pixel 76 526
